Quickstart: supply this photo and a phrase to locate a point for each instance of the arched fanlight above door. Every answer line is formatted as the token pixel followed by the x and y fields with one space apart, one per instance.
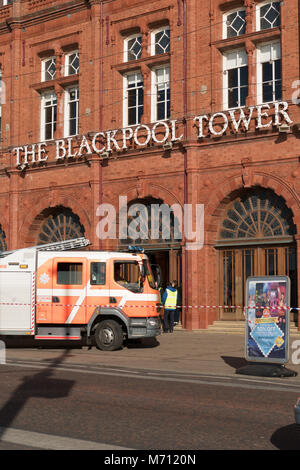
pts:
pixel 60 224
pixel 257 215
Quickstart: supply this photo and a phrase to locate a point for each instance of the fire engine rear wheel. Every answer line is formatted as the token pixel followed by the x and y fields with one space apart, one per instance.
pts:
pixel 109 335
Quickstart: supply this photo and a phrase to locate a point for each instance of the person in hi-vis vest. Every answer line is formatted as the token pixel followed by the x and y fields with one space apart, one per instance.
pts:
pixel 169 300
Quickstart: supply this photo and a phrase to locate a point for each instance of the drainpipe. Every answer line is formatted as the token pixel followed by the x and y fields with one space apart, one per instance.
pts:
pixel 101 108
pixel 211 55
pixel 186 296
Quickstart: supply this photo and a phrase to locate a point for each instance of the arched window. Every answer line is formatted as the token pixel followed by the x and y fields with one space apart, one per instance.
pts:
pixel 59 224
pixel 258 215
pixel 157 228
pixel 149 222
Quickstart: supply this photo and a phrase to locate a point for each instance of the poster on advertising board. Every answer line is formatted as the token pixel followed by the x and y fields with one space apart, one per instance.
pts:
pixel 267 319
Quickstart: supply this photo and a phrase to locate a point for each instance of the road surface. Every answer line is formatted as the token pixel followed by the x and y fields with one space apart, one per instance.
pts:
pixel 55 404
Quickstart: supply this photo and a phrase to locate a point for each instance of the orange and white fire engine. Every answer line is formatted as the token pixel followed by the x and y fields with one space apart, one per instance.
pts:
pixel 49 292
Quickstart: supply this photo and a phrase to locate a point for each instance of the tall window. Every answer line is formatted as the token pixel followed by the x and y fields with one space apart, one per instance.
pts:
pixel 48 69
pixel 269 73
pixel 134 98
pixel 49 116
pixel 160 41
pixel 268 15
pixel 72 63
pixel 161 93
pixel 71 111
pixel 235 73
pixel 234 24
pixel 133 48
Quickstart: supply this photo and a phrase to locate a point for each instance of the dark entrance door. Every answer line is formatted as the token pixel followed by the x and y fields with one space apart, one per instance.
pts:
pixel 158 231
pixel 237 264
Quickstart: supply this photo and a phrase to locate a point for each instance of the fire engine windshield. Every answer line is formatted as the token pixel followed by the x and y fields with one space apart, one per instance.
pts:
pixel 128 275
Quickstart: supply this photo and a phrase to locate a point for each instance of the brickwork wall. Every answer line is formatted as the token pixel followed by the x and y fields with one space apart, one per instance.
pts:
pixel 216 167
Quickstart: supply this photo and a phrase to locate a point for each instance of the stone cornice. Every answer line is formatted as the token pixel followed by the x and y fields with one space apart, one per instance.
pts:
pixel 38 11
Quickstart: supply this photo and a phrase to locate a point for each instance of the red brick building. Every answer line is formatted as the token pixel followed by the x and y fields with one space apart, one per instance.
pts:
pixel 161 102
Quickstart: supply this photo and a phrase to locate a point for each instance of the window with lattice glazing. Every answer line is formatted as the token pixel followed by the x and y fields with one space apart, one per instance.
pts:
pixel 259 215
pixel 60 225
pixel 268 15
pixel 234 23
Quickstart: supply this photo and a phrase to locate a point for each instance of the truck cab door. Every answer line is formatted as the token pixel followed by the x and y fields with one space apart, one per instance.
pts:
pixel 98 293
pixel 69 290
pixel 44 305
pixel 126 289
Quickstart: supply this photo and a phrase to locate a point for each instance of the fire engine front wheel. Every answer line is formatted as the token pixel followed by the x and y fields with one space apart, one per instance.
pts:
pixel 109 335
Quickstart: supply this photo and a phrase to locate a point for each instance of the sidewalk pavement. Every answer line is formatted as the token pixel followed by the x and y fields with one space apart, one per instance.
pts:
pixel 198 352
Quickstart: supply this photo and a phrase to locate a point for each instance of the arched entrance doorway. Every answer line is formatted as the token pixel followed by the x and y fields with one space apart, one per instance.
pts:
pixel 57 224
pixel 256 238
pixel 153 225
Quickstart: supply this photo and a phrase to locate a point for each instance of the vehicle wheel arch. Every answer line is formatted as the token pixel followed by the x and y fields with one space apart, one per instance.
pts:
pixel 102 314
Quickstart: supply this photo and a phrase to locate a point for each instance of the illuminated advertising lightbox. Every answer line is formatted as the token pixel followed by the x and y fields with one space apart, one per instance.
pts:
pixel 267 319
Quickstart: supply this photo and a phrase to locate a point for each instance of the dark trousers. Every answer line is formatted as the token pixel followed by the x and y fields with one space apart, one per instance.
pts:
pixel 177 315
pixel 169 320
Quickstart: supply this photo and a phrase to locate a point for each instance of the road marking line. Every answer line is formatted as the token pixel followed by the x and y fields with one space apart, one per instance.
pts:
pixel 217 380
pixel 49 441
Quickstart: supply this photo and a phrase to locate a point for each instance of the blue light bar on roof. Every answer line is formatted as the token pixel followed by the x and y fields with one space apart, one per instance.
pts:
pixel 135 249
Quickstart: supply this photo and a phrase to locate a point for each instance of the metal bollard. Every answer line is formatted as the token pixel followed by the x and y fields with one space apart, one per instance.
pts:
pixel 297 414
pixel 2 352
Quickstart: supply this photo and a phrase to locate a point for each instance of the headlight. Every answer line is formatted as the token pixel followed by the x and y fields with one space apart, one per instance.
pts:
pixel 154 321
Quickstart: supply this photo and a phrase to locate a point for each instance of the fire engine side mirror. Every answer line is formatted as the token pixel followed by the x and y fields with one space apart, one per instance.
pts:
pixel 142 270
pixel 142 274
pixel 157 274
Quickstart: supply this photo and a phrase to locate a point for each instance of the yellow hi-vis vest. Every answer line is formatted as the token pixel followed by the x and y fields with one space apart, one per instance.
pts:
pixel 171 300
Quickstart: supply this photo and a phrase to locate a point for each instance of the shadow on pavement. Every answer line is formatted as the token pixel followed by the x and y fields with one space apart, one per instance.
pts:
pixel 287 438
pixel 141 343
pixel 31 343
pixel 40 385
pixel 235 362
